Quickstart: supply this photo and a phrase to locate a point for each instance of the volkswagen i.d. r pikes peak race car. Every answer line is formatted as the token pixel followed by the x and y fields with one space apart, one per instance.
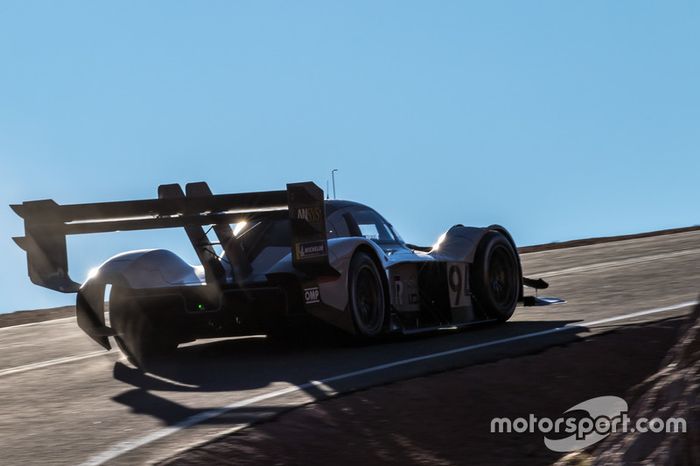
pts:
pixel 279 258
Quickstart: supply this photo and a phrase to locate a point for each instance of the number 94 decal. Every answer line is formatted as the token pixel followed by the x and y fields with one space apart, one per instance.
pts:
pixel 458 284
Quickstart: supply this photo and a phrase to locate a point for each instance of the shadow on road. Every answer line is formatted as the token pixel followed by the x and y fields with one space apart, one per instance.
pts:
pixel 253 363
pixel 447 418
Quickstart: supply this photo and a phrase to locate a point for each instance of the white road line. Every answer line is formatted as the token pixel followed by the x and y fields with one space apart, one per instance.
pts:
pixel 132 444
pixel 618 263
pixel 52 362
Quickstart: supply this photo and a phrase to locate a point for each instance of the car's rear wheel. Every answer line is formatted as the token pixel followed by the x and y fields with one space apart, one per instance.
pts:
pixel 367 296
pixel 495 278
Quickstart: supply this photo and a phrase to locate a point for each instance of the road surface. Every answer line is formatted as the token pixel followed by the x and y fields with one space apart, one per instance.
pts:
pixel 66 401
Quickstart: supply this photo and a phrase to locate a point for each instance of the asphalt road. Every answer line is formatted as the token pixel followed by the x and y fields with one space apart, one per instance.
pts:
pixel 65 401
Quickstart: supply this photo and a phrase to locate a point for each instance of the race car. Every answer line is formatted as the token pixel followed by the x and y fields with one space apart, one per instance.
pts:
pixel 270 262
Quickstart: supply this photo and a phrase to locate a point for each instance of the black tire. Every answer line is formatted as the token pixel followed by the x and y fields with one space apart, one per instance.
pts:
pixel 140 337
pixel 367 297
pixel 495 278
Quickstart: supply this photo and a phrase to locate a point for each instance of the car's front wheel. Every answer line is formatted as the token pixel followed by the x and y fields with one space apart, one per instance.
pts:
pixel 367 301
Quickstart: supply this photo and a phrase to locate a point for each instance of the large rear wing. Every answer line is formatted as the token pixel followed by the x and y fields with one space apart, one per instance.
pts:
pixel 47 224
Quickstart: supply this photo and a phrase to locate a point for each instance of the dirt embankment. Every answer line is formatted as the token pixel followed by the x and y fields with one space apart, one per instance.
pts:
pixel 603 239
pixel 38 315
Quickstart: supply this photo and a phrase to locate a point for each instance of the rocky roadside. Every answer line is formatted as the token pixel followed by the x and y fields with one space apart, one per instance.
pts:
pixel 672 391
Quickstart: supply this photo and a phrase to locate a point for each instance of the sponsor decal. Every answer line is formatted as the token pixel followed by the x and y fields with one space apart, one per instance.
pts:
pixel 309 214
pixel 312 295
pixel 311 249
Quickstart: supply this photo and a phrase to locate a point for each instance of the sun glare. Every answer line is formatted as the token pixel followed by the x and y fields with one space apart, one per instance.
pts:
pixel 239 227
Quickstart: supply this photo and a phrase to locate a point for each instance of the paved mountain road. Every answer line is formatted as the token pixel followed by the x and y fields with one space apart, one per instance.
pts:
pixel 64 401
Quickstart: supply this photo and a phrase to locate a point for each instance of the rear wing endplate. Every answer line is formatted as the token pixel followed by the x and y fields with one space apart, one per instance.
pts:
pixel 47 224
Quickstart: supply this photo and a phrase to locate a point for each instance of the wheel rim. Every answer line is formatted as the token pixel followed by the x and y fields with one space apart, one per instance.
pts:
pixel 501 276
pixel 368 301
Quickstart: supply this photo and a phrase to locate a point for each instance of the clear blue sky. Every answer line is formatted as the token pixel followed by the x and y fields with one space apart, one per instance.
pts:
pixel 557 119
